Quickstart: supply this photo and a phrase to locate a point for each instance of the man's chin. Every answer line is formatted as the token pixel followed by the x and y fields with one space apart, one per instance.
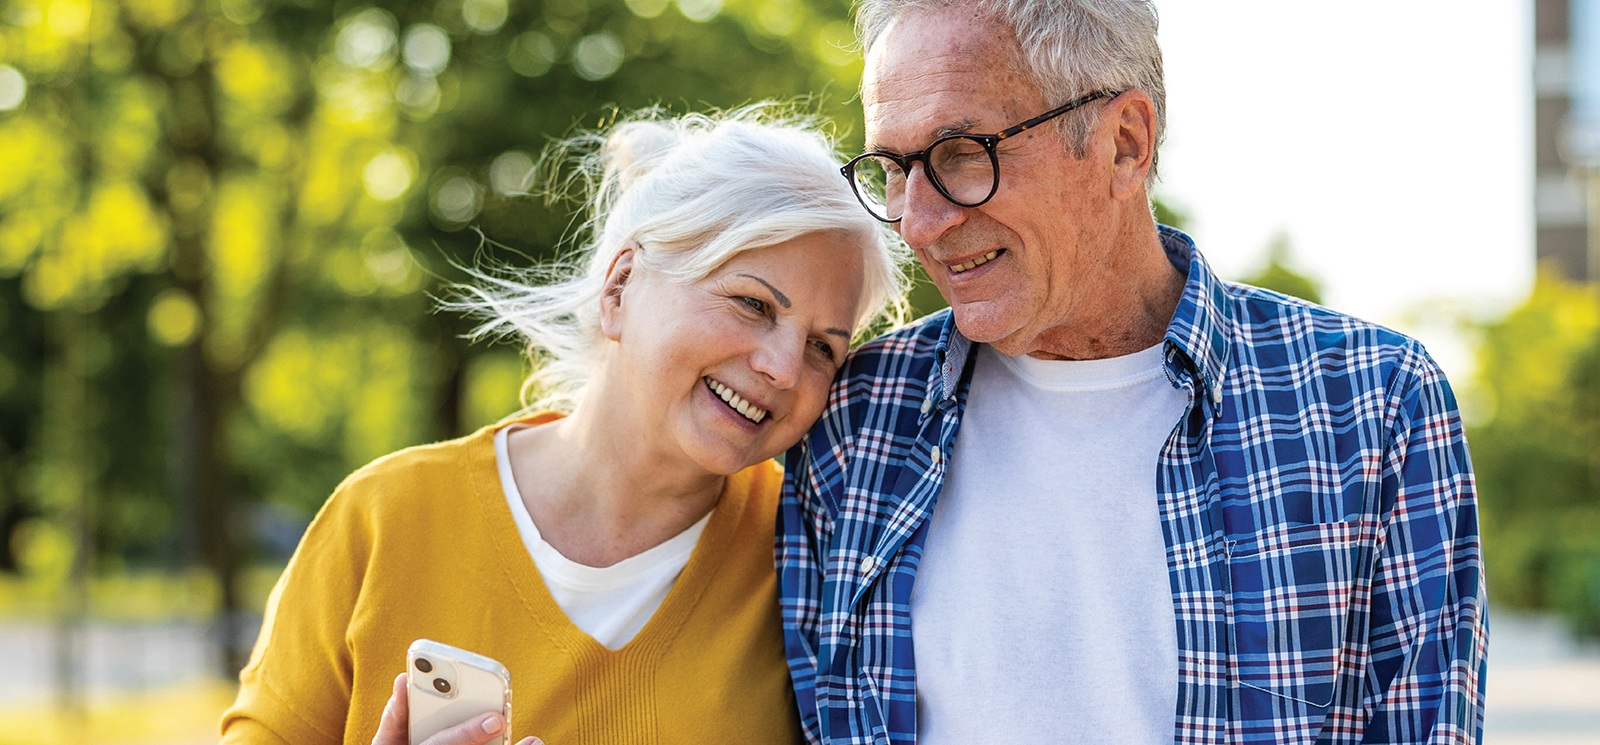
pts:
pixel 985 322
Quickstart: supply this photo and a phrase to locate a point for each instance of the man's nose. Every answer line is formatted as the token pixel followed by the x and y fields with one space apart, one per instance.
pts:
pixel 927 213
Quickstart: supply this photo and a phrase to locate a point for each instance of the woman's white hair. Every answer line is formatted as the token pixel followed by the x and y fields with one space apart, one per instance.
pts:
pixel 692 192
pixel 1070 48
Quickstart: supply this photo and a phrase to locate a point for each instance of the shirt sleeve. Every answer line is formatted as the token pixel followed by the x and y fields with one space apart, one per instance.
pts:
pixel 803 528
pixel 296 687
pixel 1429 630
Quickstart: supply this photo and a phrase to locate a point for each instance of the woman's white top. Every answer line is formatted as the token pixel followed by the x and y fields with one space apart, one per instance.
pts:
pixel 610 603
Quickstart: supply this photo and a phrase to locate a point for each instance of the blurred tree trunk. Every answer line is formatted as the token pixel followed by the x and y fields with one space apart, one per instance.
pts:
pixel 71 491
pixel 209 388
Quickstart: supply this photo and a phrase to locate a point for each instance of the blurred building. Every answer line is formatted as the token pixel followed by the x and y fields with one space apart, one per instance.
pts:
pixel 1566 86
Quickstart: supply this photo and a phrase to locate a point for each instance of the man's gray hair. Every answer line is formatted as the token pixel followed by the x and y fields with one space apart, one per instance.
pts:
pixel 1070 48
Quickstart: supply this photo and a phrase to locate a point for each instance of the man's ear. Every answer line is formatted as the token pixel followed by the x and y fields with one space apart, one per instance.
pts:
pixel 617 276
pixel 1133 118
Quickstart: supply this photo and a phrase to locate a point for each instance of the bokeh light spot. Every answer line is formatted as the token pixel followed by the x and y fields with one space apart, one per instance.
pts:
pixel 419 94
pixel 511 173
pixel 13 88
pixel 778 17
pixel 174 318
pixel 700 11
pixel 484 16
pixel 426 48
pixel 387 175
pixel 532 54
pixel 597 56
pixel 457 200
pixel 647 8
pixel 367 40
pixel 67 19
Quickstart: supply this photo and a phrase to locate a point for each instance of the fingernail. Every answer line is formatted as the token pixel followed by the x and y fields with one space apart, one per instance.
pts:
pixel 491 724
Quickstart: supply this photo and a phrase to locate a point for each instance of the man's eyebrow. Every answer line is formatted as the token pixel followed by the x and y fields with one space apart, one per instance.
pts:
pixel 838 332
pixel 783 299
pixel 960 126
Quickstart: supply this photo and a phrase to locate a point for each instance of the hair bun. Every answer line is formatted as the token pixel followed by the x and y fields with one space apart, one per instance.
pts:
pixel 633 149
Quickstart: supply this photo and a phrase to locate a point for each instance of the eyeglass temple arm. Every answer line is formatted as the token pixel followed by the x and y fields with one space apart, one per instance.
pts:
pixel 1053 113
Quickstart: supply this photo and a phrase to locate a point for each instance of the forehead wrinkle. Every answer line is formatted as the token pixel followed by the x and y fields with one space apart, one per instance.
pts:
pixel 960 69
pixel 926 105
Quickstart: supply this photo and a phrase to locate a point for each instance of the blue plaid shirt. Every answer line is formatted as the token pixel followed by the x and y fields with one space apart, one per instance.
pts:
pixel 1317 503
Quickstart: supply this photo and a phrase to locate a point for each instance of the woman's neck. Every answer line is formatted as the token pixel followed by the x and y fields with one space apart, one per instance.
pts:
pixel 601 490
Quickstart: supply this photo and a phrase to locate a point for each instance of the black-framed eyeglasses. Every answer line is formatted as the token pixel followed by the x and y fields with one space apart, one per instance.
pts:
pixel 962 167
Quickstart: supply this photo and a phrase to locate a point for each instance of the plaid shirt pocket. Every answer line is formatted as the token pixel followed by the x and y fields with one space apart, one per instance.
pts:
pixel 1291 594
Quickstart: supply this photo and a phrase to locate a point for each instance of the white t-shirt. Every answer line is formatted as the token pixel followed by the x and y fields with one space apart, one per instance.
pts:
pixel 1042 610
pixel 610 603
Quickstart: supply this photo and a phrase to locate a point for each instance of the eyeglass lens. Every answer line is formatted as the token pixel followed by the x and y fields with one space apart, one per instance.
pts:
pixel 962 168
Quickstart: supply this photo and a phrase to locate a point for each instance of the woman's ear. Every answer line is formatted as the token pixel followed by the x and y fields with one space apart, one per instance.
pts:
pixel 617 275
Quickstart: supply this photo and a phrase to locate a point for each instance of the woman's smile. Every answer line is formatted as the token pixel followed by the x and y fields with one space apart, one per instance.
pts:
pixel 736 402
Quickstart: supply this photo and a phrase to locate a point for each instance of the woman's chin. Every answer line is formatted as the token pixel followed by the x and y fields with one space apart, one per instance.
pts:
pixel 725 459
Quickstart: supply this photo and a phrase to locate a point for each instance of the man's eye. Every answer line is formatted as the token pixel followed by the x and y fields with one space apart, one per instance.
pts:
pixel 823 347
pixel 754 304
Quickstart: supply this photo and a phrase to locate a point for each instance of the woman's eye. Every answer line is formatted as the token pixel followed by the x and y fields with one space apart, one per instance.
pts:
pixel 754 304
pixel 823 347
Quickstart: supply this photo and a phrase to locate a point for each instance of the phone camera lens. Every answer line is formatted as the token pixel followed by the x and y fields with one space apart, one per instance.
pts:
pixel 441 685
pixel 424 665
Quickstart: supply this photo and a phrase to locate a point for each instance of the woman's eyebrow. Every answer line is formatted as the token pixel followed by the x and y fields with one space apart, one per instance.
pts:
pixel 783 299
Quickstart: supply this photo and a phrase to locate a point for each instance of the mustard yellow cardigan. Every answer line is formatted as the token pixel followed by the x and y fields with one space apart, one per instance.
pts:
pixel 422 544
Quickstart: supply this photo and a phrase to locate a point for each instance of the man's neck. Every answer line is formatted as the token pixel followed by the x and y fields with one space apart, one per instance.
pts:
pixel 1132 312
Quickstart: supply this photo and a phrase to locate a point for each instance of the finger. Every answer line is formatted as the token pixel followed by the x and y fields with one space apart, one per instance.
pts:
pixel 400 695
pixel 392 727
pixel 475 731
pixel 531 741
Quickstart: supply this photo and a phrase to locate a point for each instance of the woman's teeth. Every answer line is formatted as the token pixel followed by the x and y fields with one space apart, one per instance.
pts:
pixel 735 402
pixel 981 260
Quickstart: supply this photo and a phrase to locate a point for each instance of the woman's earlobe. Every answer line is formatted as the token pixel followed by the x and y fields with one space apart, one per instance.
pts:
pixel 611 295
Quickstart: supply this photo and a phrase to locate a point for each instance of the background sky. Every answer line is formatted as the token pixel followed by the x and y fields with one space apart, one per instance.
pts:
pixel 1391 139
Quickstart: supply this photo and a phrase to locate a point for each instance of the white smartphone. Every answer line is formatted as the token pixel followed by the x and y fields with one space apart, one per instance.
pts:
pixel 451 685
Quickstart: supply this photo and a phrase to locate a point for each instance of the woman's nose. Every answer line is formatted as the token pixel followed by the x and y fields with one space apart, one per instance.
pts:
pixel 780 358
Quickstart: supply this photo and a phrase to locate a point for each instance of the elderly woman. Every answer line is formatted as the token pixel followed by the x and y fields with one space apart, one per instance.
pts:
pixel 617 558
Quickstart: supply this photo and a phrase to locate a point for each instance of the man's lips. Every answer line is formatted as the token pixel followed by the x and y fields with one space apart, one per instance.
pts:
pixel 975 262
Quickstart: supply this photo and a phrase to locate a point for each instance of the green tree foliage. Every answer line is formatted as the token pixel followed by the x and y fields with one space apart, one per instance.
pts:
pixel 1279 273
pixel 221 222
pixel 1537 453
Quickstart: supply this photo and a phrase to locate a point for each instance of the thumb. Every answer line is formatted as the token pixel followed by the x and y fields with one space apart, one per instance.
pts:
pixel 475 731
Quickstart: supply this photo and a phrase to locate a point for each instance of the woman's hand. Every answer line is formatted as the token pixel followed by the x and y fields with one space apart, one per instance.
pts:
pixel 475 731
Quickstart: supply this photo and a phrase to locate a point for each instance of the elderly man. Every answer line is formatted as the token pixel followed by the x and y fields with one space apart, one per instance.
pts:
pixel 1109 497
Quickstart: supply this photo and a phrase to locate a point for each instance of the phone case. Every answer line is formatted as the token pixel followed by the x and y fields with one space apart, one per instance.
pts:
pixel 450 685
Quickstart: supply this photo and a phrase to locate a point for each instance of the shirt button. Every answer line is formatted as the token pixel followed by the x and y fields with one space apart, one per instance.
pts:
pixel 927 403
pixel 934 454
pixel 867 564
